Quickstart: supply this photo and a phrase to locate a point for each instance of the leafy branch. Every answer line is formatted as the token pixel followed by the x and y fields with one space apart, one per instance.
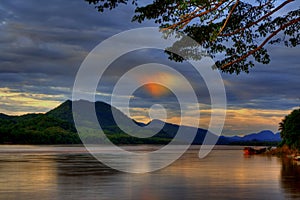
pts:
pixel 233 31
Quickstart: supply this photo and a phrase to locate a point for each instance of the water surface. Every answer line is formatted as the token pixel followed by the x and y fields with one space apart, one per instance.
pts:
pixel 53 172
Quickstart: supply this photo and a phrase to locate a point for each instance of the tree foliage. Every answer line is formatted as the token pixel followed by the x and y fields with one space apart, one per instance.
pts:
pixel 234 31
pixel 290 129
pixel 36 129
pixel 57 127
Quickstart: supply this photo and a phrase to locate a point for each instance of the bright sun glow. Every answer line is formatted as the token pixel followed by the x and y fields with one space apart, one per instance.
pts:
pixel 156 90
pixel 156 83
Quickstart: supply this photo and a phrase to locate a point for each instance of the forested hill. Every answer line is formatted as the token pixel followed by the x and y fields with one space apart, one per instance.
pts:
pixel 57 127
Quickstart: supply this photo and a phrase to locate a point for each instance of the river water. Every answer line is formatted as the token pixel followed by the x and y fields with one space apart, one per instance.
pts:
pixel 69 172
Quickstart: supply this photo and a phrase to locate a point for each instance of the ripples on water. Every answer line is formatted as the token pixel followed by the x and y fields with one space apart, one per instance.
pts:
pixel 47 172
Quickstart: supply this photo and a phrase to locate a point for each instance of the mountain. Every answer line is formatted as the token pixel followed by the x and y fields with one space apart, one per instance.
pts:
pixel 265 135
pixel 103 111
pixel 170 130
pixel 57 127
pixel 62 112
pixel 262 137
pixel 110 127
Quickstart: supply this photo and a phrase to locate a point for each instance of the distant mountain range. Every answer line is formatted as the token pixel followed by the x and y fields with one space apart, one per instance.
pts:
pixel 57 127
pixel 263 136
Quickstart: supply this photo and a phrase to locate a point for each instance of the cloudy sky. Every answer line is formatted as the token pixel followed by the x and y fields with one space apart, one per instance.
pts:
pixel 43 44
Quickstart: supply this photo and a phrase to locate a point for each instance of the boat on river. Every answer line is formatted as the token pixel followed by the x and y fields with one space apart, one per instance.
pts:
pixel 253 151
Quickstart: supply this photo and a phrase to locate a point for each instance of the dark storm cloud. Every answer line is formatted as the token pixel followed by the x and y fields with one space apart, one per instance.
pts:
pixel 55 29
pixel 75 14
pixel 44 43
pixel 273 86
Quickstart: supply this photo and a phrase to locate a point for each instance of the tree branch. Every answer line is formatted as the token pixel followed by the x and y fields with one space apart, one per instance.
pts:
pixel 262 44
pixel 228 17
pixel 188 19
pixel 219 12
pixel 259 20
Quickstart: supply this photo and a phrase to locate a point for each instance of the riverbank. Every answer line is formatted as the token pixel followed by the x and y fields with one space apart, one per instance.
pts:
pixel 283 151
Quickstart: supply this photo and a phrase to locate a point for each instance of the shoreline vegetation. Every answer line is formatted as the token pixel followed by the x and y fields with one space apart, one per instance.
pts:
pixel 283 151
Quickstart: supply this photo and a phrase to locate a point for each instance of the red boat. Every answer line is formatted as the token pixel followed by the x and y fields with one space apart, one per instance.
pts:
pixel 253 151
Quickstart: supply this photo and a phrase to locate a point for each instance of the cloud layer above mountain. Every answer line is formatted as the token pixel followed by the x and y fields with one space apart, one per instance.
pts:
pixel 43 44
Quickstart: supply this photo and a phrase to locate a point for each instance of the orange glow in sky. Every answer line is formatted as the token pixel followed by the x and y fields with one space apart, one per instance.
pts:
pixel 158 84
pixel 156 90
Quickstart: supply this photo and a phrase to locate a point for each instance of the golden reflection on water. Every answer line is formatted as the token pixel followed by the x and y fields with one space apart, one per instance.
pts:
pixel 224 174
pixel 28 176
pixel 229 165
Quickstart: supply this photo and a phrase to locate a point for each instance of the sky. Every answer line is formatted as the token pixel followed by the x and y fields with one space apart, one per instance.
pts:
pixel 43 45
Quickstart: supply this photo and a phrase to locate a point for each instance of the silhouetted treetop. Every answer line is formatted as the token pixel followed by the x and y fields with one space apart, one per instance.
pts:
pixel 235 32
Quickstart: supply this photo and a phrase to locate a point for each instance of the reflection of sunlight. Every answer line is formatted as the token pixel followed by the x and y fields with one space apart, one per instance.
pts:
pixel 244 172
pixel 35 177
pixel 143 166
pixel 224 174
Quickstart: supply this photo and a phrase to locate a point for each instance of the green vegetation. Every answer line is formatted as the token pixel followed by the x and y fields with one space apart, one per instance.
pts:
pixel 42 129
pixel 57 127
pixel 290 130
pixel 36 129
